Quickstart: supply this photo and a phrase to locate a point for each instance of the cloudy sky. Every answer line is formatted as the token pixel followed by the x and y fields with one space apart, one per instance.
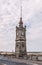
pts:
pixel 32 18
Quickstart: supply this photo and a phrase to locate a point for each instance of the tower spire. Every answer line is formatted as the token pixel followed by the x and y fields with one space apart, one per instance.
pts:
pixel 21 23
pixel 21 10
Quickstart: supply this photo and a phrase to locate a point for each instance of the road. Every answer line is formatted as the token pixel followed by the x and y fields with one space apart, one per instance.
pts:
pixel 10 62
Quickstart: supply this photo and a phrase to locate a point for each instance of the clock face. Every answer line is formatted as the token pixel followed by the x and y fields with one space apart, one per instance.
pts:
pixel 17 33
pixel 22 33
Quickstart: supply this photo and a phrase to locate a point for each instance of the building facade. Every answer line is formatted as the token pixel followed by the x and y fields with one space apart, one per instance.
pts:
pixel 20 49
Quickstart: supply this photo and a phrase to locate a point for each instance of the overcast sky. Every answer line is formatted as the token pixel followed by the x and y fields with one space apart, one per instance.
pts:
pixel 32 18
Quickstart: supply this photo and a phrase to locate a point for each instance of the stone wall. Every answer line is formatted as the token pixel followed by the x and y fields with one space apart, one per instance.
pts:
pixel 35 57
pixel 30 55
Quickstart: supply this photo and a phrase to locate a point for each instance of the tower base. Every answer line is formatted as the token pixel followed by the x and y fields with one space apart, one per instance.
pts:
pixel 22 56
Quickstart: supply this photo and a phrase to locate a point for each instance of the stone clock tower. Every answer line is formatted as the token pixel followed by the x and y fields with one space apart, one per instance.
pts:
pixel 20 48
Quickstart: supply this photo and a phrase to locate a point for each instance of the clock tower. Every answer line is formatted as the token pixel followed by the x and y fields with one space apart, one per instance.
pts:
pixel 20 48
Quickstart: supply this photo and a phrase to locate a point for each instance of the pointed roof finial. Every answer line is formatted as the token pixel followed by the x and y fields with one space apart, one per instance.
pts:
pixel 21 12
